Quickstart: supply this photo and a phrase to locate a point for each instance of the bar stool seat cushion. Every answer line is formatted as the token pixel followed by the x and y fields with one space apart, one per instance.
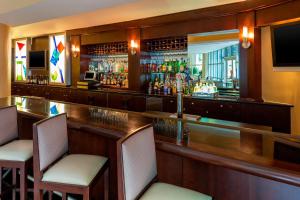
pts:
pixel 163 191
pixel 17 150
pixel 75 169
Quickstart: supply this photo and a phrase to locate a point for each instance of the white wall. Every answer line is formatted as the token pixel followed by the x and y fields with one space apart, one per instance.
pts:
pixel 283 87
pixel 5 69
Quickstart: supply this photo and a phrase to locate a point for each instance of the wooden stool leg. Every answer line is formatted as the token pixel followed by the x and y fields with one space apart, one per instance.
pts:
pixel 64 196
pixel 50 193
pixel 23 183
pixel 14 171
pixel 1 180
pixel 86 195
pixel 38 194
pixel 106 184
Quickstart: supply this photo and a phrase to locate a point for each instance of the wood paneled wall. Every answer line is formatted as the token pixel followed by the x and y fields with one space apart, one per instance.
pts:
pixel 75 61
pixel 254 13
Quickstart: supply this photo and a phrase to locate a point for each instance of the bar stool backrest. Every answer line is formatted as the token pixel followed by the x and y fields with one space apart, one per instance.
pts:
pixel 8 124
pixel 138 162
pixel 52 139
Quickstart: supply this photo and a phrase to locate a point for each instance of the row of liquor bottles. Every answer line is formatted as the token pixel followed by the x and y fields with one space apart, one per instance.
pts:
pixel 189 88
pixel 166 66
pixel 112 79
pixel 38 79
pixel 109 65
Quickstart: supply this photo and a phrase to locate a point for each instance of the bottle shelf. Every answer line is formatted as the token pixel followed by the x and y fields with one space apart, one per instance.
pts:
pixel 165 44
pixel 113 72
pixel 113 48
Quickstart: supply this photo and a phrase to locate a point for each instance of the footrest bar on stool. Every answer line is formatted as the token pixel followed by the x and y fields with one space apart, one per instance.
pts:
pixel 59 194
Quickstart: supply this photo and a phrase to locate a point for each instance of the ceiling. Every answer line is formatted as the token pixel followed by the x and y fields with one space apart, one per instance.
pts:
pixel 22 12
pixel 210 47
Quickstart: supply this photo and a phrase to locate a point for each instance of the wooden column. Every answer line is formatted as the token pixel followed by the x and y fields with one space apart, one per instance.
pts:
pixel 134 75
pixel 4 69
pixel 75 61
pixel 250 59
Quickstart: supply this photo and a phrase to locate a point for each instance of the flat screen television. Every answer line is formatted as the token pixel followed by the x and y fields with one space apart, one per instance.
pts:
pixel 286 45
pixel 37 59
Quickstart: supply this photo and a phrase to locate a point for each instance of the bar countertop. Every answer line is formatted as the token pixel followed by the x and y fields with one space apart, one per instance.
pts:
pixel 247 148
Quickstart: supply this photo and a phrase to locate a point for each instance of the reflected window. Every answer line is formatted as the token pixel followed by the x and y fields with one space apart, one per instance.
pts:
pixel 215 57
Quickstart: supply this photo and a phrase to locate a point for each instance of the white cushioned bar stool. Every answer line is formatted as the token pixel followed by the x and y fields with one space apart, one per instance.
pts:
pixel 55 170
pixel 137 171
pixel 15 154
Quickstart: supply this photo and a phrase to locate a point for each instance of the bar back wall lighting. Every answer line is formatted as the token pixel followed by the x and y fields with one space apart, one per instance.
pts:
pixel 134 47
pixel 75 51
pixel 246 38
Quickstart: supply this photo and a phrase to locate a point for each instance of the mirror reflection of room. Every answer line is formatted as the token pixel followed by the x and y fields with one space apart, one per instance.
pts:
pixel 214 63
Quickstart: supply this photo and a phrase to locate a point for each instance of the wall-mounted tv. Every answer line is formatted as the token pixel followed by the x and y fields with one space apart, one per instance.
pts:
pixel 37 59
pixel 286 45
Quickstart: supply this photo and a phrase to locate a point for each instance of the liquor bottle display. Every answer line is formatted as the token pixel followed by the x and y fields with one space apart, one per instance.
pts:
pixel 110 62
pixel 162 60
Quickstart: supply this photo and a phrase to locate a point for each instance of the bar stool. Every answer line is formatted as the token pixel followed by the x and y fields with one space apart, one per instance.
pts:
pixel 137 171
pixel 14 154
pixel 54 170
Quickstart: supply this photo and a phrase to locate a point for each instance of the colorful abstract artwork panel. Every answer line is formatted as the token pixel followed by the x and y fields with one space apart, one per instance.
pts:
pixel 57 59
pixel 21 60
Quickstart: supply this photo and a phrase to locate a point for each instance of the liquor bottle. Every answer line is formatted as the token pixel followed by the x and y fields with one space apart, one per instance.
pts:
pixel 196 88
pixel 177 64
pixel 101 79
pixel 126 82
pixel 161 86
pixel 169 89
pixel 181 66
pixel 150 88
pixel 215 89
pixel 156 86
pixel 169 65
pixel 174 90
pixel 104 82
pixel 154 67
pixel 191 88
pixel 166 88
pixel 164 67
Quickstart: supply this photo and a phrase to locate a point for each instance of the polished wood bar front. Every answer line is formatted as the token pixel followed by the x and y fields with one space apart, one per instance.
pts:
pixel 226 161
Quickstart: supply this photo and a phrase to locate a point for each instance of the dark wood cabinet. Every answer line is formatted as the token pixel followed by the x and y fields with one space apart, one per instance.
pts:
pixel 226 111
pixel 35 91
pixel 19 89
pixel 80 96
pixel 197 107
pixel 137 103
pixel 118 101
pixel 170 104
pixel 278 117
pixel 59 94
pixel 97 99
pixel 126 102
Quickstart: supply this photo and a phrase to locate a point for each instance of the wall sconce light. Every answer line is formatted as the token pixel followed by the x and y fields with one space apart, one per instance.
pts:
pixel 134 47
pixel 246 38
pixel 75 51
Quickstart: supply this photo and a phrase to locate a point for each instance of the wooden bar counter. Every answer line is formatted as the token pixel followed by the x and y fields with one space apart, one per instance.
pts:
pixel 223 159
